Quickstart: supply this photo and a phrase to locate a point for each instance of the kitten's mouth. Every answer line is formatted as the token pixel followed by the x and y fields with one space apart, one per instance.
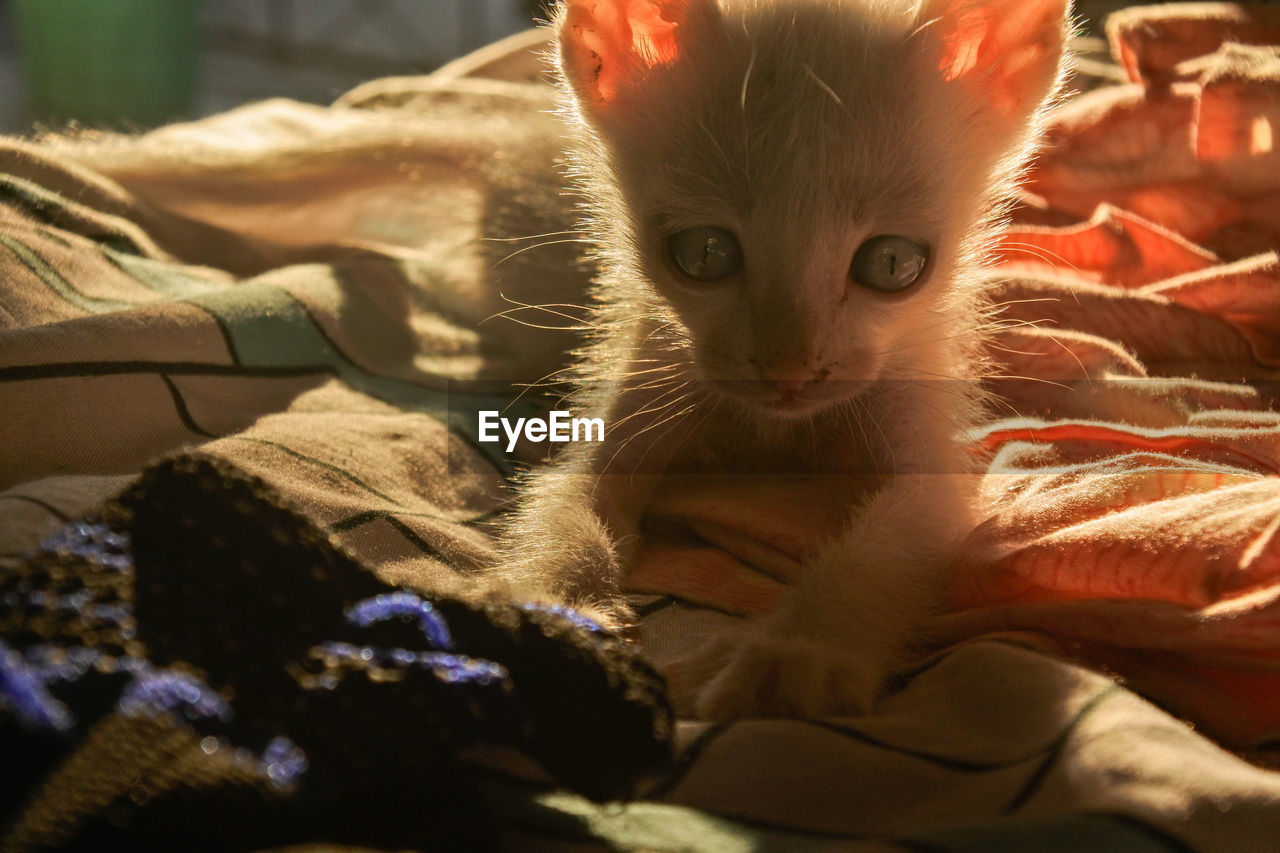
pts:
pixel 789 398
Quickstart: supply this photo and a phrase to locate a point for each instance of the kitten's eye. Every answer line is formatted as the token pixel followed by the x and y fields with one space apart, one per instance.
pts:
pixel 706 253
pixel 889 263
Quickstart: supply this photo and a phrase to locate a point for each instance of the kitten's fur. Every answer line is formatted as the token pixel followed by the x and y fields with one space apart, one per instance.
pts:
pixel 804 127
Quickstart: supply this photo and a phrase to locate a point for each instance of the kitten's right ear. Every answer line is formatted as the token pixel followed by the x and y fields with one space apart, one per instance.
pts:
pixel 608 47
pixel 1007 52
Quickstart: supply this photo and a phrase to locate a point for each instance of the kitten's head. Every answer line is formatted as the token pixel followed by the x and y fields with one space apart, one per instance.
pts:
pixel 803 182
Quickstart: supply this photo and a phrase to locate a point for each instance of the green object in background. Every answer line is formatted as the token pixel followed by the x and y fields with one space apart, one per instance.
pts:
pixel 108 62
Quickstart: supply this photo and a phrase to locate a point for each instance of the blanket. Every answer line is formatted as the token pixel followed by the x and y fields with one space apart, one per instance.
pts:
pixel 300 310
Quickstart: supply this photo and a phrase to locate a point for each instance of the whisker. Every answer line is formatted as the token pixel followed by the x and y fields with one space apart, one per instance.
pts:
pixel 655 383
pixel 630 438
pixel 1005 302
pixel 1011 350
pixel 529 325
pixel 526 387
pixel 1038 252
pixel 549 308
pixel 1027 379
pixel 629 374
pixel 1001 324
pixel 751 64
pixel 1083 370
pixel 537 246
pixel 529 237
pixel 650 407
pixel 875 422
pixel 658 439
pixel 661 328
pixel 715 144
pixel 813 75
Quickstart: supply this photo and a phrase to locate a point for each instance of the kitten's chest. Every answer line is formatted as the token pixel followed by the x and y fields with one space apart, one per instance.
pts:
pixel 737 540
pixel 772 499
pixel 824 451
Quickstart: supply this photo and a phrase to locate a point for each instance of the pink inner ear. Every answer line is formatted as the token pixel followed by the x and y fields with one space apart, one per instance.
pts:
pixel 653 28
pixel 1001 47
pixel 614 39
pixel 963 42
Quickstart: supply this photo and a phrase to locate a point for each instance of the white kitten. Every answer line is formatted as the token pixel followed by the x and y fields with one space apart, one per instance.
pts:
pixel 789 201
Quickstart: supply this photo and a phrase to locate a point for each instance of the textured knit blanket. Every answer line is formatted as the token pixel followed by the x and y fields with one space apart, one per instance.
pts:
pixel 258 641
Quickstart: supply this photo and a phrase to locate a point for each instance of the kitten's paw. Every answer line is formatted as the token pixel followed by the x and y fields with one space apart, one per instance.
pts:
pixel 755 673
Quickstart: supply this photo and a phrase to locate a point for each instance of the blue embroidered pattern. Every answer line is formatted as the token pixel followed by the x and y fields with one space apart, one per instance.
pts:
pixel 24 693
pixel 92 541
pixel 577 618
pixel 26 676
pixel 452 668
pixel 29 676
pixel 155 693
pixel 383 608
pixel 283 762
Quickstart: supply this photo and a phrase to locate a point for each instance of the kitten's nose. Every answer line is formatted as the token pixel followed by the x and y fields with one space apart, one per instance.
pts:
pixel 790 373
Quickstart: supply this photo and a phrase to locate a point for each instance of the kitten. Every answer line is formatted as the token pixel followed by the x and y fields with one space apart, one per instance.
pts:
pixel 789 202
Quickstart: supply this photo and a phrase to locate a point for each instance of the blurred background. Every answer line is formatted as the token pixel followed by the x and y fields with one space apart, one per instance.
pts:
pixel 138 63
pixel 134 64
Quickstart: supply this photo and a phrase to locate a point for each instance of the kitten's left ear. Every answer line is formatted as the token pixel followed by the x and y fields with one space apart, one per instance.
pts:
pixel 608 47
pixel 1006 51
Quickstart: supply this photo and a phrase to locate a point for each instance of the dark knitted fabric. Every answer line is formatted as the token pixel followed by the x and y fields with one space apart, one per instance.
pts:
pixel 200 667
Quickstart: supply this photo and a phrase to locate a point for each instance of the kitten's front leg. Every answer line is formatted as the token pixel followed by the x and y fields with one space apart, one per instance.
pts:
pixel 577 526
pixel 849 622
pixel 569 541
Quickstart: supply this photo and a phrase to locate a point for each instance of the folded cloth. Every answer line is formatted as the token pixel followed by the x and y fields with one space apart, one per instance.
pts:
pixel 1132 515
